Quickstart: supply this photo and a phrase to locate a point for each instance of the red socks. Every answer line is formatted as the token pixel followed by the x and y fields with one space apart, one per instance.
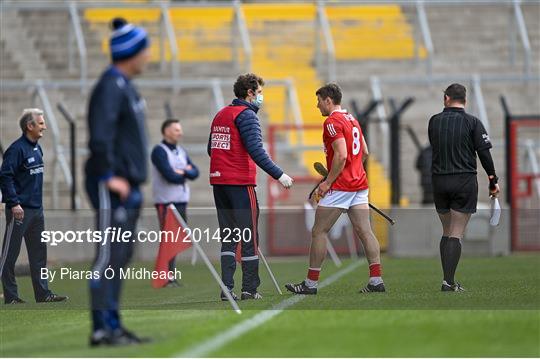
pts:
pixel 375 270
pixel 313 274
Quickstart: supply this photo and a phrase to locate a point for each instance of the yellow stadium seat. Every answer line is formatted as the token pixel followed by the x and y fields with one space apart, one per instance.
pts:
pixel 359 32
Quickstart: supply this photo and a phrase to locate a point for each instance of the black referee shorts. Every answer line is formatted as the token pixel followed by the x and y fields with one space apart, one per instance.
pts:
pixel 456 191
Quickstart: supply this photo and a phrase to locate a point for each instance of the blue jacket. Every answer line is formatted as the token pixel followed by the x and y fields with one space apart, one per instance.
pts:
pixel 250 132
pixel 116 120
pixel 160 160
pixel 21 175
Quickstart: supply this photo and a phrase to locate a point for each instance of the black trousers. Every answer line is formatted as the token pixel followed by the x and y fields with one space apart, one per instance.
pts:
pixel 30 228
pixel 162 212
pixel 238 216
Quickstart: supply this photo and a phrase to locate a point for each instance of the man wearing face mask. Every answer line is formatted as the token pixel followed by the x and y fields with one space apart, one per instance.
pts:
pixel 235 148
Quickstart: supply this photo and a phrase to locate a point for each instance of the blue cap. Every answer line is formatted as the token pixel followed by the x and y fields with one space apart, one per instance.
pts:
pixel 127 40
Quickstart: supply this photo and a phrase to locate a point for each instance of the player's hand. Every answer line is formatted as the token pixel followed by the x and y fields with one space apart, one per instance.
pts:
pixel 315 198
pixel 494 191
pixel 189 167
pixel 18 212
pixel 180 172
pixel 286 181
pixel 119 186
pixel 323 188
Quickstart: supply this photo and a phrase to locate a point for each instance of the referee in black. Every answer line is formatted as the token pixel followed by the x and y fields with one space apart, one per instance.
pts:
pixel 456 137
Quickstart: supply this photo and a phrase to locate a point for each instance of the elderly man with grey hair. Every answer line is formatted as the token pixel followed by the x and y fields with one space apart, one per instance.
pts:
pixel 21 183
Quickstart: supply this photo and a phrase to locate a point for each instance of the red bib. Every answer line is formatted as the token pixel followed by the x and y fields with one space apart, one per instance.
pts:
pixel 230 163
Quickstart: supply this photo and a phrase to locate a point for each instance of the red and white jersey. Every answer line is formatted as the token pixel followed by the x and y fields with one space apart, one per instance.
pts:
pixel 341 124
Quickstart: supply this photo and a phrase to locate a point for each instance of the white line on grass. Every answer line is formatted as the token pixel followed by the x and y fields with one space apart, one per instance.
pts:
pixel 236 331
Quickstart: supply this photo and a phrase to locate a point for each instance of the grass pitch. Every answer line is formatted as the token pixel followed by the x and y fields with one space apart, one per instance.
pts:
pixel 498 316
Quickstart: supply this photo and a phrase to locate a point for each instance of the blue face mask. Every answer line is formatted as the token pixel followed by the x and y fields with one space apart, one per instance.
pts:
pixel 258 101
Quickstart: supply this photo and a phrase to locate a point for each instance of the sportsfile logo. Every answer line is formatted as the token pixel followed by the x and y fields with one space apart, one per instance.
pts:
pixel 116 234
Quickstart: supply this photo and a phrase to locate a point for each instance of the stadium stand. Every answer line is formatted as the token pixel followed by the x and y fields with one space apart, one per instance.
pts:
pixel 369 40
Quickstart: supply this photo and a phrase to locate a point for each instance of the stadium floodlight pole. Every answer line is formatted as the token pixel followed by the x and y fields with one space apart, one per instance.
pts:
pixel 206 261
pixel 270 272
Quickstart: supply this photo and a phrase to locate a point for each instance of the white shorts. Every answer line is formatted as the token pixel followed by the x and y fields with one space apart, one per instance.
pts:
pixel 345 200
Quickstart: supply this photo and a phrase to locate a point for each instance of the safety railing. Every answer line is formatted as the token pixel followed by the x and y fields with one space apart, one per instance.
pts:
pixel 165 23
pixel 81 45
pixel 423 24
pixel 72 153
pixel 167 34
pixel 241 28
pixel 328 52
pixel 519 24
pixel 59 162
pixel 59 158
pixel 324 50
pixel 473 80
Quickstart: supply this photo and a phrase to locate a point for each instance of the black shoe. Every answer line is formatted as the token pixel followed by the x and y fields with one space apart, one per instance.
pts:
pixel 300 288
pixel 100 337
pixel 370 288
pixel 250 295
pixel 53 298
pixel 224 297
pixel 123 336
pixel 16 301
pixel 451 287
pixel 173 284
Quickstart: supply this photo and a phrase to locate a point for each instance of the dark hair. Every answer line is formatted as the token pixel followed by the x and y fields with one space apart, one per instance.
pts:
pixel 456 92
pixel 331 90
pixel 167 123
pixel 246 82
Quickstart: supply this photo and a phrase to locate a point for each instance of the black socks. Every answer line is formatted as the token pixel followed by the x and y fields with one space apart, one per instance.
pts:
pixel 450 248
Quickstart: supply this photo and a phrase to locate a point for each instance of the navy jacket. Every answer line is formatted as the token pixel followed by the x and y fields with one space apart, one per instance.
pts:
pixel 250 131
pixel 21 175
pixel 116 120
pixel 161 161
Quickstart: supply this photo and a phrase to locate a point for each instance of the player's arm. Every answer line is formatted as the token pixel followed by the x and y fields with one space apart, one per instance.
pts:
pixel 193 172
pixel 338 162
pixel 365 150
pixel 482 146
pixel 487 162
pixel 251 136
pixel 13 158
pixel 103 113
pixel 160 160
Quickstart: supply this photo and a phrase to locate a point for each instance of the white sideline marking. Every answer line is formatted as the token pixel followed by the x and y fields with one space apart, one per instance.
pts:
pixel 237 330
